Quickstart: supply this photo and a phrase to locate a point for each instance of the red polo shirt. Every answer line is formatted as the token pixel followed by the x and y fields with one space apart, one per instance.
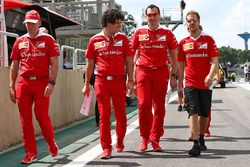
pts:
pixel 34 54
pixel 109 53
pixel 153 46
pixel 197 53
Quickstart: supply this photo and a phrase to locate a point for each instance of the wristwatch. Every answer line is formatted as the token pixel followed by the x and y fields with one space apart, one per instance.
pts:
pixel 174 75
pixel 52 82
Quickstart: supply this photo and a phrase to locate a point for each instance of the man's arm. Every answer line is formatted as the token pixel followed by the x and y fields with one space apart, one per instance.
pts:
pixel 12 77
pixel 174 54
pixel 53 76
pixel 214 65
pixel 54 68
pixel 173 69
pixel 180 70
pixel 130 70
pixel 89 72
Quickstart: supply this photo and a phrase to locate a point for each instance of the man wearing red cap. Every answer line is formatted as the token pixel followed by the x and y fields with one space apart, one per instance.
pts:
pixel 34 52
pixel 152 74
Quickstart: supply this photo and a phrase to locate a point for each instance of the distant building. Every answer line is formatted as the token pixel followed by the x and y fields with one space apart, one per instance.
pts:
pixel 88 13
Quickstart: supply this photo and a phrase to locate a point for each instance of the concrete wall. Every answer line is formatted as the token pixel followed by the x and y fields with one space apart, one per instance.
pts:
pixel 65 104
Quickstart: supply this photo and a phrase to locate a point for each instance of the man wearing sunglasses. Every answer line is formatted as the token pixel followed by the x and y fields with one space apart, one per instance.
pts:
pixel 153 43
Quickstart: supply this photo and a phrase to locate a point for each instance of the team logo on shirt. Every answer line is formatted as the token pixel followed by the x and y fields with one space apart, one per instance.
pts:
pixel 202 45
pixel 143 37
pixel 118 43
pixel 188 46
pixel 40 44
pixel 162 38
pixel 23 45
pixel 99 44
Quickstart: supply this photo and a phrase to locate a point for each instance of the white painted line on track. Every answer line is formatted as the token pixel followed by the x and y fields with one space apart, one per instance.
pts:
pixel 244 85
pixel 88 156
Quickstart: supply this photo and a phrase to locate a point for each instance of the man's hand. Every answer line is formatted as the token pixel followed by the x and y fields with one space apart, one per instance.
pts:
pixel 208 80
pixel 13 94
pixel 130 87
pixel 86 90
pixel 48 90
pixel 180 89
pixel 173 82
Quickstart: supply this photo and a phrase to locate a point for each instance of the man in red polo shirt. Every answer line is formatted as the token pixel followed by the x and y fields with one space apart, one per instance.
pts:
pixel 110 52
pixel 199 55
pixel 34 52
pixel 152 43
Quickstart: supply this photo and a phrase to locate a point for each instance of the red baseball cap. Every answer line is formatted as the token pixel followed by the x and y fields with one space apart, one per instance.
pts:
pixel 32 16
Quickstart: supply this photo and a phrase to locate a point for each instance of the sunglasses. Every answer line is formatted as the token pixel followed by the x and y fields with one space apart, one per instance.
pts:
pixel 153 14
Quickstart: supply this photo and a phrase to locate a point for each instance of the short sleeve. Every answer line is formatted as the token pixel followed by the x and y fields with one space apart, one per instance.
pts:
pixel 53 47
pixel 128 47
pixel 135 40
pixel 213 50
pixel 90 54
pixel 172 42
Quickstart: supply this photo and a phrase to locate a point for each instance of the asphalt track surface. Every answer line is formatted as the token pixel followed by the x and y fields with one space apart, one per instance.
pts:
pixel 228 144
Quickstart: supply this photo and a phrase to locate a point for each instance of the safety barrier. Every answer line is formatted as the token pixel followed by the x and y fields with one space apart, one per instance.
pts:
pixel 75 52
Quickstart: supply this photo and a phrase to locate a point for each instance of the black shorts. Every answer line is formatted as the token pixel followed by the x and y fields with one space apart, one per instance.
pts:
pixel 198 101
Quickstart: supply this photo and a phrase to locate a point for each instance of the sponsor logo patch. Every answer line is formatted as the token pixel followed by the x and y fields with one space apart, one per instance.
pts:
pixel 41 45
pixel 119 43
pixel 23 45
pixel 188 46
pixel 143 37
pixel 202 45
pixel 162 38
pixel 99 44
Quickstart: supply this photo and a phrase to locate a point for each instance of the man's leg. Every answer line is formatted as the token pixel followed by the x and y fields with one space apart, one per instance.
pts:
pixel 42 115
pixel 144 94
pixel 203 124
pixel 24 101
pixel 207 132
pixel 103 98
pixel 194 126
pixel 119 103
pixel 192 103
pixel 205 99
pixel 160 83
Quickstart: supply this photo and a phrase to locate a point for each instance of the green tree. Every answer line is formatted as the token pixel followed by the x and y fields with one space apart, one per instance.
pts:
pixel 129 24
pixel 232 55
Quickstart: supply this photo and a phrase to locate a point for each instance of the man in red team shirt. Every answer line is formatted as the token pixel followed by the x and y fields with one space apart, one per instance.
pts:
pixel 152 43
pixel 34 52
pixel 110 51
pixel 199 55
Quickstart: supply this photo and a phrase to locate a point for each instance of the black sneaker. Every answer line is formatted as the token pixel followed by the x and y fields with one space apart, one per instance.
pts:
pixel 203 147
pixel 185 107
pixel 195 151
pixel 179 108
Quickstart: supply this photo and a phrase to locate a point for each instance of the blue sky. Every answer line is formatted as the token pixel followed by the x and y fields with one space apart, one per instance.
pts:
pixel 221 19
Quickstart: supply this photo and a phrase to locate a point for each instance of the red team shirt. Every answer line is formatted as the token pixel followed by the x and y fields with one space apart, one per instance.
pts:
pixel 109 53
pixel 153 46
pixel 34 54
pixel 197 53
